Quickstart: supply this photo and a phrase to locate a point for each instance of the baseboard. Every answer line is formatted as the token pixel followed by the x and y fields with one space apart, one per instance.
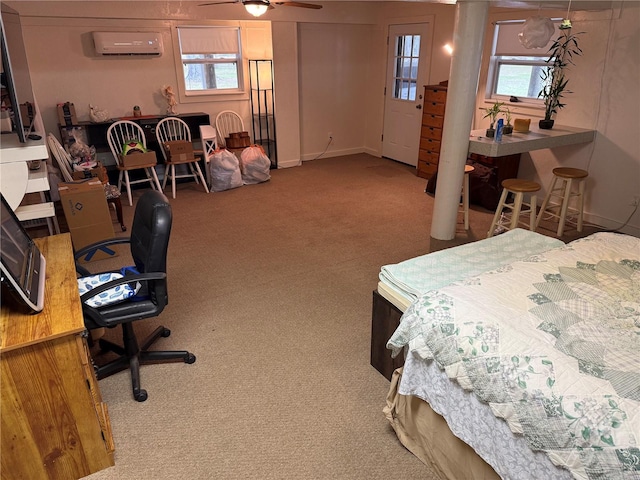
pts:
pixel 333 153
pixel 607 223
pixel 289 163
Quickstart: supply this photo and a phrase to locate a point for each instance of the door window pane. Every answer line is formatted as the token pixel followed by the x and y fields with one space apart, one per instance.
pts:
pixel 406 67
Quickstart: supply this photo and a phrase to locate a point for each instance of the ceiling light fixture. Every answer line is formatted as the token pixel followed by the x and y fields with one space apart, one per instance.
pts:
pixel 256 7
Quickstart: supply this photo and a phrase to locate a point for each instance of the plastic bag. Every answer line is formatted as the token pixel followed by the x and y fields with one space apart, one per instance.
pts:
pixel 255 165
pixel 224 169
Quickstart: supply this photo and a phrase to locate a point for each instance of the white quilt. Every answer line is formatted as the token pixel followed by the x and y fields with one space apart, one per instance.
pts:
pixel 552 344
pixel 417 276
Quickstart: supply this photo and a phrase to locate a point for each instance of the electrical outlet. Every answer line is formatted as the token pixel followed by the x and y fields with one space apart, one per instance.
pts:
pixel 330 135
pixel 635 201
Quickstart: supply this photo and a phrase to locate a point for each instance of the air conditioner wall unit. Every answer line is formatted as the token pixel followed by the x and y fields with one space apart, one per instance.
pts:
pixel 128 43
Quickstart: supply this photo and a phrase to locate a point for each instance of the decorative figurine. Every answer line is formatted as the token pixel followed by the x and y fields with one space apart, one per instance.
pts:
pixel 98 115
pixel 167 92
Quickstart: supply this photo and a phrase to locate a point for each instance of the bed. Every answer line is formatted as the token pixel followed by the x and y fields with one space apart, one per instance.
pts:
pixel 532 364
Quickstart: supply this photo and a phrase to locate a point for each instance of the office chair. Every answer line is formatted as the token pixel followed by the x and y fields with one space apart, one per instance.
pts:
pixel 228 122
pixel 118 134
pixel 173 128
pixel 64 162
pixel 148 242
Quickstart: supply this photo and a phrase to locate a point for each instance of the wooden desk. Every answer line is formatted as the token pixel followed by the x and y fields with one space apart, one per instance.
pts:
pixel 54 424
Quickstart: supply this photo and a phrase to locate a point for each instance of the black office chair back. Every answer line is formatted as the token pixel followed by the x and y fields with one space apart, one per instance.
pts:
pixel 150 234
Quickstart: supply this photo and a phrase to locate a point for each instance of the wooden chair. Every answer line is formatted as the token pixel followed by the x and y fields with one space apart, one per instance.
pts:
pixel 564 192
pixel 464 206
pixel 518 188
pixel 65 162
pixel 169 129
pixel 228 122
pixel 119 134
pixel 209 139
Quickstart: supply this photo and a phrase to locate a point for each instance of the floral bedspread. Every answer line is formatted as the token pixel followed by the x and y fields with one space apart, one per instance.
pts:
pixel 552 344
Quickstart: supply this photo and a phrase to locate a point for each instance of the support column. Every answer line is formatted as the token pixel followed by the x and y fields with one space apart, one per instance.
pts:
pixel 468 41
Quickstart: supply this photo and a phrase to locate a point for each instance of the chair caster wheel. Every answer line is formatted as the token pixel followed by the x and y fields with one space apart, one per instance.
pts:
pixel 140 396
pixel 124 228
pixel 191 358
pixel 165 333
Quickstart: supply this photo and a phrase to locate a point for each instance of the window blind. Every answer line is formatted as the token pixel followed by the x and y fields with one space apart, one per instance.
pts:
pixel 202 40
pixel 507 43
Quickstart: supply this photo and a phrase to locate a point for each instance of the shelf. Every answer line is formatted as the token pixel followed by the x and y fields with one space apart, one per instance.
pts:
pixel 14 151
pixel 535 139
pixel 263 107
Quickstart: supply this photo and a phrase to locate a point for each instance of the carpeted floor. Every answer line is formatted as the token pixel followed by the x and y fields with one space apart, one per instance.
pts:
pixel 270 287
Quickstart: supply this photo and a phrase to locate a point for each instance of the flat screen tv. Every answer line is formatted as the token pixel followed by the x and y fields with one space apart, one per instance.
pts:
pixel 22 266
pixel 16 80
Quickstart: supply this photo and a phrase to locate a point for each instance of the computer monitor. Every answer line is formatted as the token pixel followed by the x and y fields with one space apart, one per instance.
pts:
pixel 22 265
pixel 15 76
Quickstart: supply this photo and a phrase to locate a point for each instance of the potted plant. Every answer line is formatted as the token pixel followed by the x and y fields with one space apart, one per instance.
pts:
pixel 561 54
pixel 492 113
pixel 508 128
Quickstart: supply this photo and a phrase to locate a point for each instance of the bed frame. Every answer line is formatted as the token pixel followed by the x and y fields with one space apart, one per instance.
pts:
pixel 385 318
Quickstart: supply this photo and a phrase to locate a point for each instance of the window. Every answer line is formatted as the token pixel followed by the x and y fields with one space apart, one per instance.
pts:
pixel 211 60
pixel 407 53
pixel 515 70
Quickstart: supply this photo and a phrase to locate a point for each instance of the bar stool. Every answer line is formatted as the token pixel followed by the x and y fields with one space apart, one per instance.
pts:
pixel 464 206
pixel 518 188
pixel 566 177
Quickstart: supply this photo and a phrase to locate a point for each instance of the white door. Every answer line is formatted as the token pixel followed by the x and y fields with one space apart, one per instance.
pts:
pixel 407 73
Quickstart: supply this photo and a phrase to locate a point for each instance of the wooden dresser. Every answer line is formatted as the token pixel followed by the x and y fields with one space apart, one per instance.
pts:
pixel 435 99
pixel 54 423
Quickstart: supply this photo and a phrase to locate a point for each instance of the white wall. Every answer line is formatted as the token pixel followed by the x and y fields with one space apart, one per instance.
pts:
pixel 65 68
pixel 605 97
pixel 341 60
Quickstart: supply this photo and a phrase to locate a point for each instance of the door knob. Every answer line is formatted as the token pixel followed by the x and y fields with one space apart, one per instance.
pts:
pixel 419 107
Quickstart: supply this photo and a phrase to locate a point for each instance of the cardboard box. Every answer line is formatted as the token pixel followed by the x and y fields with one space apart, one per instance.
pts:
pixel 98 172
pixel 179 151
pixel 87 213
pixel 138 159
pixel 67 114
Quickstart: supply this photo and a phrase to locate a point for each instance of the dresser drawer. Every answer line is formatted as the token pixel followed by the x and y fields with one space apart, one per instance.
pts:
pixel 436 121
pixel 425 170
pixel 429 157
pixel 431 132
pixel 430 145
pixel 434 108
pixel 435 95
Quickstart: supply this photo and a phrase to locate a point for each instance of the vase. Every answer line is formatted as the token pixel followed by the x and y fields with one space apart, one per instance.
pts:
pixel 507 130
pixel 490 133
pixel 545 124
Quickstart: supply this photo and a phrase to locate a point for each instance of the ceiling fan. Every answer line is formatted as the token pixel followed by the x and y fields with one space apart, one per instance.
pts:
pixel 258 7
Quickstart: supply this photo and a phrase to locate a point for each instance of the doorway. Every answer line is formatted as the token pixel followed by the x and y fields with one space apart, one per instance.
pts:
pixel 407 73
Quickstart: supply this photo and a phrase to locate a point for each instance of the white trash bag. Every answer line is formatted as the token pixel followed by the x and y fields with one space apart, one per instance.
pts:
pixel 255 165
pixel 224 169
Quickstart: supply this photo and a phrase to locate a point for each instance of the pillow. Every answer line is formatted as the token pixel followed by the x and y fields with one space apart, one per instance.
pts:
pixel 108 297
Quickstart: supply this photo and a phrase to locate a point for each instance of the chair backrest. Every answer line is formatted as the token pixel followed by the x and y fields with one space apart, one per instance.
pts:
pixel 62 157
pixel 171 128
pixel 208 137
pixel 150 234
pixel 228 122
pixel 122 132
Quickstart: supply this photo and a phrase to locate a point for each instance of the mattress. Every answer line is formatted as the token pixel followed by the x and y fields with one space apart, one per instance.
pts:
pixel 548 346
pixel 402 283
